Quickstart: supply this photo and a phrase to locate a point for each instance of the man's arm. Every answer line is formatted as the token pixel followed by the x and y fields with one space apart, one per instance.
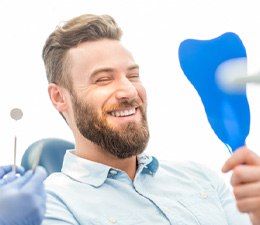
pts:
pixel 245 180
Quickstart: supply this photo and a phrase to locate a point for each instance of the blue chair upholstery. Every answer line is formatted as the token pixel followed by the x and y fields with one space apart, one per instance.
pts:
pixel 49 152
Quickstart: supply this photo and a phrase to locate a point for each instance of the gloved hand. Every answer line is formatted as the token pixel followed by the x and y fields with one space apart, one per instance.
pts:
pixel 7 175
pixel 22 199
pixel 4 170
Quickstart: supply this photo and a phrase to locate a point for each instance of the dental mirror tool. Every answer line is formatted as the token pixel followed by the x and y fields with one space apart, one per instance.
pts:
pixel 35 157
pixel 15 114
pixel 232 75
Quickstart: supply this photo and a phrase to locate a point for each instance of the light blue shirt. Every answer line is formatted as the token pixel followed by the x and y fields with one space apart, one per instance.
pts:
pixel 90 193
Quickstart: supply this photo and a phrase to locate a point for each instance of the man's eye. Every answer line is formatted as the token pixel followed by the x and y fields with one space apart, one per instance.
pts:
pixel 103 80
pixel 134 76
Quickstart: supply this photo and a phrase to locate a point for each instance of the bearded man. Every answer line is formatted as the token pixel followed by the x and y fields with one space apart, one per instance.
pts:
pixel 94 83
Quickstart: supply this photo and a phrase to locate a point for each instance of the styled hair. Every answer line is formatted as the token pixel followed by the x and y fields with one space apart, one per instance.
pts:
pixel 87 27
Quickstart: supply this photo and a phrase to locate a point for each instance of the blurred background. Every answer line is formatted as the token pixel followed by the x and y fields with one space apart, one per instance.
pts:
pixel 153 31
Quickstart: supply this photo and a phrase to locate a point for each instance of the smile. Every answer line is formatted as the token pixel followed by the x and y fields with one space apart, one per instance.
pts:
pixel 120 113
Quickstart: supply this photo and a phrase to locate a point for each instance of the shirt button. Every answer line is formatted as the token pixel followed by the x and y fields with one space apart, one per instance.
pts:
pixel 166 209
pixel 203 195
pixel 113 172
pixel 112 220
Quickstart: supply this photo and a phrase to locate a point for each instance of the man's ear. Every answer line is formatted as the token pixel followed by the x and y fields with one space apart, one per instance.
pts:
pixel 58 98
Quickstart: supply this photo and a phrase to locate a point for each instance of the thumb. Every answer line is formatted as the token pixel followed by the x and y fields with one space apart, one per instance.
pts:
pixel 38 176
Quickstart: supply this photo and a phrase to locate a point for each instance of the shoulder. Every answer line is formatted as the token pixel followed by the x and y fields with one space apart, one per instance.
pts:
pixel 190 170
pixel 54 178
pixel 57 182
pixel 187 166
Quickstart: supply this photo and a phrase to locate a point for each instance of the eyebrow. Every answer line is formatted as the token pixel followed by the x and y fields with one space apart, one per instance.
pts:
pixel 108 69
pixel 133 67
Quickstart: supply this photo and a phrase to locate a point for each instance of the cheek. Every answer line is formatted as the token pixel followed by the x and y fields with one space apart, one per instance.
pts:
pixel 142 93
pixel 98 98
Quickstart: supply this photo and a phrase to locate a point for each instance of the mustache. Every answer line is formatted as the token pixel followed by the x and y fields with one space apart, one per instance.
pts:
pixel 125 103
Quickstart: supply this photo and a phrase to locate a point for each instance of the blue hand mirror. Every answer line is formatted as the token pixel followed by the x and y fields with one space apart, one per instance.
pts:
pixel 227 112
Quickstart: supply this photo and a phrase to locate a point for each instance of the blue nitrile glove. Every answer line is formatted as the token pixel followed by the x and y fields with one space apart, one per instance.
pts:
pixel 7 175
pixel 5 170
pixel 22 200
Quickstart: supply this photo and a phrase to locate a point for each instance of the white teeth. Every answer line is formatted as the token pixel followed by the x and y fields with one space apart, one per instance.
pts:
pixel 123 112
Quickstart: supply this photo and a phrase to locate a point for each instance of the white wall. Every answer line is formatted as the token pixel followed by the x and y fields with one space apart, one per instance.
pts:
pixel 153 31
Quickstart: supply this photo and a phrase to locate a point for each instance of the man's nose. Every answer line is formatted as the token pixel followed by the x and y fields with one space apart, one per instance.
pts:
pixel 125 89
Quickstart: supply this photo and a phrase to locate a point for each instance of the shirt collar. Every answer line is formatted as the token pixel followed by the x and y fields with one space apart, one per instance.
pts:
pixel 147 164
pixel 95 174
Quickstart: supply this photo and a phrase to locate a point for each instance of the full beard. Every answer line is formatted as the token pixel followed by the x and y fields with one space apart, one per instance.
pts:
pixel 129 140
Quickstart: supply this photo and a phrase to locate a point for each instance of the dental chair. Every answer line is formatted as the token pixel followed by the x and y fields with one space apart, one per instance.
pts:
pixel 48 153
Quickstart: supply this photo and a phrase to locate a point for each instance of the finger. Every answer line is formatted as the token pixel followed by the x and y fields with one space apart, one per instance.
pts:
pixel 20 181
pixel 7 169
pixel 245 174
pixel 241 156
pixel 39 174
pixel 248 204
pixel 20 170
pixel 8 175
pixel 8 178
pixel 37 178
pixel 247 190
pixel 4 170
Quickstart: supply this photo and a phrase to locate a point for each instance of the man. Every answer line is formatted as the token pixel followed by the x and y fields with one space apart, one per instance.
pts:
pixel 94 83
pixel 22 197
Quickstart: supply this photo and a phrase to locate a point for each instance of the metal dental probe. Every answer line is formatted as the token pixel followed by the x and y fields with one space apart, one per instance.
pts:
pixel 15 114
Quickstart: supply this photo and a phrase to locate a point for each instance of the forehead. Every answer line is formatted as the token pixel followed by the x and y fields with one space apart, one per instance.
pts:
pixel 90 56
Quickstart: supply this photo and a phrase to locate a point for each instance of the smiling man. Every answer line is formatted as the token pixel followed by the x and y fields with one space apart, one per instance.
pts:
pixel 108 103
pixel 94 83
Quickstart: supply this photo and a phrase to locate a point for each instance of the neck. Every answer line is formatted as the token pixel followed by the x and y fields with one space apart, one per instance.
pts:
pixel 93 152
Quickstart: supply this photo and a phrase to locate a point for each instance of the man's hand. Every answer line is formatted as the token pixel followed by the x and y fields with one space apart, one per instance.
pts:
pixel 245 180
